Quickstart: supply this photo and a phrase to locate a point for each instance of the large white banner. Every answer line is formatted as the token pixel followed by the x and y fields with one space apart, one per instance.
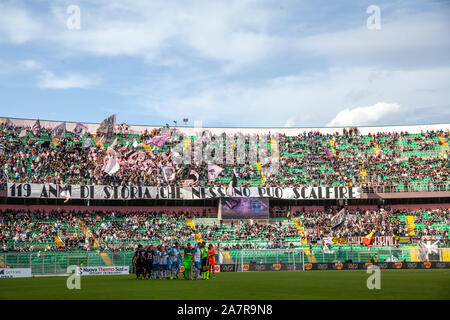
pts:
pixel 101 192
pixel 15 273
pixel 103 271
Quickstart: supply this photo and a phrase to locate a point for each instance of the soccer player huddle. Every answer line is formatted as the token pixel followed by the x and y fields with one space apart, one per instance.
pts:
pixel 164 262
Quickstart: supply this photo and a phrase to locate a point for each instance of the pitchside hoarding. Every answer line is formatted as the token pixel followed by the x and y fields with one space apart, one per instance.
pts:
pixel 332 266
pixel 103 271
pixel 245 208
pixel 104 192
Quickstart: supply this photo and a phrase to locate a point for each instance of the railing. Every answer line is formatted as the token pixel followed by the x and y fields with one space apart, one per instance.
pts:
pixel 57 262
pixel 408 188
pixel 363 255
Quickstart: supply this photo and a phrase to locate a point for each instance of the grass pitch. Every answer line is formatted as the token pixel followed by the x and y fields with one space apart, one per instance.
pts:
pixel 286 285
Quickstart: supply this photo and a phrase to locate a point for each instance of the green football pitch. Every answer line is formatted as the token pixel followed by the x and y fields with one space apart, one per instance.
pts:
pixel 395 284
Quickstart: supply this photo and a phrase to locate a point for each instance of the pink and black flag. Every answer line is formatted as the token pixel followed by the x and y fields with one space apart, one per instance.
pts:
pixel 107 128
pixel 8 123
pixel 231 185
pixel 36 128
pixel 194 176
pixel 79 130
pixel 112 166
pixel 66 194
pixel 59 131
pixel 158 141
pixel 169 173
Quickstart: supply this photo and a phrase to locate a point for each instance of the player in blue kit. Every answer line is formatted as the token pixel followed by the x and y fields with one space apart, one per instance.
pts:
pixel 197 262
pixel 156 271
pixel 169 262
pixel 174 254
pixel 177 271
pixel 163 262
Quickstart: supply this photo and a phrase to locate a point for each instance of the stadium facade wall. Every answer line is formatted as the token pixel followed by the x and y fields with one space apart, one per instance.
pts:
pixel 48 208
pixel 332 266
pixel 137 129
pixel 405 195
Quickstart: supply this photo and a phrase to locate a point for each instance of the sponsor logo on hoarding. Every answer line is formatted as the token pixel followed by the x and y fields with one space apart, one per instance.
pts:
pixel 276 267
pixel 398 265
pixel 308 266
pixel 383 265
pixel 245 267
pixel 260 267
pixel 15 273
pixel 217 268
pixel 290 266
pixel 181 268
pixel 322 266
pixel 338 266
pixel 427 265
pixel 440 265
pixel 115 270
pixel 411 265
pixel 226 267
pixel 352 266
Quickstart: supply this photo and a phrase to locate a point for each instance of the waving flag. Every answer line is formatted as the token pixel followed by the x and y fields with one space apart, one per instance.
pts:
pixel 213 171
pixel 79 130
pixel 169 173
pixel 87 143
pixel 8 123
pixel 194 176
pixel 190 223
pixel 158 141
pixel 66 193
pixel 232 184
pixel 106 128
pixel 367 240
pixel 110 150
pixel 112 166
pixel 59 131
pixel 187 183
pixel 36 128
pixel 338 218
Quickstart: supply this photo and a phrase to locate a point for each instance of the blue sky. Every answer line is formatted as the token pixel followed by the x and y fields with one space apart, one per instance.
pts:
pixel 226 63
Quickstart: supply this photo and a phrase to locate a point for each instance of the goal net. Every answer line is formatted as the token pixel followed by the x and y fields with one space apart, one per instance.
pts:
pixel 269 259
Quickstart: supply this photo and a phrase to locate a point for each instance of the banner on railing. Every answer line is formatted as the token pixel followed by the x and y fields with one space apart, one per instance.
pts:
pixel 104 192
pixel 103 271
pixel 332 266
pixel 377 241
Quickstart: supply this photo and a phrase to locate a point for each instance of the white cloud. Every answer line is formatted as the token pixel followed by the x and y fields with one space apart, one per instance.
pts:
pixel 47 80
pixel 289 123
pixel 17 25
pixel 405 40
pixel 314 98
pixel 31 64
pixel 362 116
pixel 233 32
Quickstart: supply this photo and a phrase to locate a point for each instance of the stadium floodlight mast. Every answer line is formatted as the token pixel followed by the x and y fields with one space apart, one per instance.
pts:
pixel 185 120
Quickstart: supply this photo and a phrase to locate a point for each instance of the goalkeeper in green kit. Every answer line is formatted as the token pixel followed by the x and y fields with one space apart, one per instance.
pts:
pixel 187 261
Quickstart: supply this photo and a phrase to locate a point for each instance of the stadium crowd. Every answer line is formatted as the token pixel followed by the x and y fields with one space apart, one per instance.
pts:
pixel 114 231
pixel 310 158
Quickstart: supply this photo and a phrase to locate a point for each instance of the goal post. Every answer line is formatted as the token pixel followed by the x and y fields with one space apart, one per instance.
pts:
pixel 269 259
